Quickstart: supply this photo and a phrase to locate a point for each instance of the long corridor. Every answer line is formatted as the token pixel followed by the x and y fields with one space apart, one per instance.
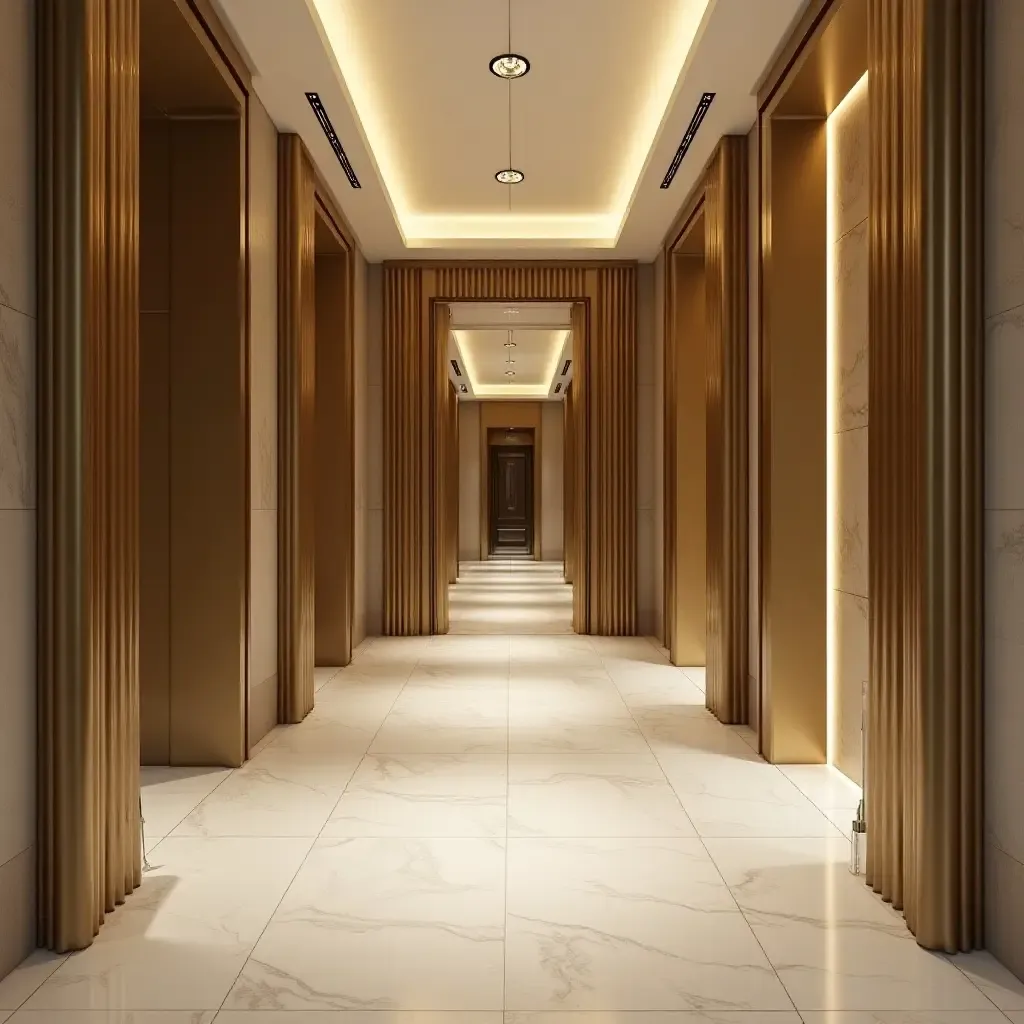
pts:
pixel 506 828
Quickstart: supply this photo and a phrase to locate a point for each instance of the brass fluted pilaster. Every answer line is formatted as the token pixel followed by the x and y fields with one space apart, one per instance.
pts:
pixel 296 429
pixel 924 749
pixel 725 270
pixel 88 652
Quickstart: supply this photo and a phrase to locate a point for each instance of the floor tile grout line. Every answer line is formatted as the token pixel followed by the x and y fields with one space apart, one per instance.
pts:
pixel 305 858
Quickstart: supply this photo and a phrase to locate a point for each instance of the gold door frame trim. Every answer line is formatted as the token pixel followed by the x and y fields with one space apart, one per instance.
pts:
pixel 302 198
pixel 603 297
pixel 720 197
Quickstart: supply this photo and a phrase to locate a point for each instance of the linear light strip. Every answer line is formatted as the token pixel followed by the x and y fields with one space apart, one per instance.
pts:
pixel 695 122
pixel 332 138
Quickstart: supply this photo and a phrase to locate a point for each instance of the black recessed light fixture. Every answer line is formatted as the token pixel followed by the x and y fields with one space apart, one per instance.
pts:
pixel 455 367
pixel 510 373
pixel 332 138
pixel 509 176
pixel 565 369
pixel 509 66
pixel 465 390
pixel 558 387
pixel 691 131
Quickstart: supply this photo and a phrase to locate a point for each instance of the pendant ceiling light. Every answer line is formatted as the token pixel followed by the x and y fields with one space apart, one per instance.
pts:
pixel 510 344
pixel 509 66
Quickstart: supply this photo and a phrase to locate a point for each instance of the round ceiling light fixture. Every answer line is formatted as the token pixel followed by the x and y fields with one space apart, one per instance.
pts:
pixel 510 176
pixel 510 373
pixel 510 344
pixel 509 66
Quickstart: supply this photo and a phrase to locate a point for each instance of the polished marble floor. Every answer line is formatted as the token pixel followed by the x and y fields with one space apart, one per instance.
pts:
pixel 505 829
pixel 511 596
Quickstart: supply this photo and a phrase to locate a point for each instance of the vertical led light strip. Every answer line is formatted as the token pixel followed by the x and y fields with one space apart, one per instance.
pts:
pixel 831 443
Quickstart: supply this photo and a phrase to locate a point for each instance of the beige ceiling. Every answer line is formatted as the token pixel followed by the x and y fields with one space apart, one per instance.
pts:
pixel 594 125
pixel 542 339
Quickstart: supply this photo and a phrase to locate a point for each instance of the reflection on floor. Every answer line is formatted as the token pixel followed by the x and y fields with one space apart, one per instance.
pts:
pixel 516 596
pixel 548 826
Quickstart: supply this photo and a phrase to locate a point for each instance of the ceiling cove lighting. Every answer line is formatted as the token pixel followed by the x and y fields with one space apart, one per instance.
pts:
pixel 509 65
pixel 332 138
pixel 509 176
pixel 691 131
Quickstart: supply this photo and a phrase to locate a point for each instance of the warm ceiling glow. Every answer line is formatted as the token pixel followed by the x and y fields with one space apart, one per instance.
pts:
pixel 509 390
pixel 600 229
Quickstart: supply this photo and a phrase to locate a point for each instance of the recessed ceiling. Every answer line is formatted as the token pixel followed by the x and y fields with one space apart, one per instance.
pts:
pixel 594 125
pixel 541 343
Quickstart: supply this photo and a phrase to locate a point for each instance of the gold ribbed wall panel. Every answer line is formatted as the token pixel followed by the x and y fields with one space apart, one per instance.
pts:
pixel 568 485
pixel 88 654
pixel 604 318
pixel 726 227
pixel 408 387
pixel 581 578
pixel 439 429
pixel 611 421
pixel 924 796
pixel 296 429
pixel 453 484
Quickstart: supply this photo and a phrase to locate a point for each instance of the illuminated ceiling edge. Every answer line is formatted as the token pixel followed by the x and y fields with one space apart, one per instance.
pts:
pixel 510 390
pixel 506 226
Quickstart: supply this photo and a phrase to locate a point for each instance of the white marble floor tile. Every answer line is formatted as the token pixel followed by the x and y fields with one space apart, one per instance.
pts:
pixel 826 787
pixel 180 941
pixel 114 1017
pixel 424 795
pixel 17 986
pixel 628 924
pixel 278 793
pixel 905 1017
pixel 541 730
pixel 169 795
pixel 742 797
pixel 321 676
pixel 667 1017
pixel 322 736
pixel 655 686
pixel 1004 989
pixel 834 944
pixel 385 924
pixel 587 795
pixel 356 1017
pixel 691 733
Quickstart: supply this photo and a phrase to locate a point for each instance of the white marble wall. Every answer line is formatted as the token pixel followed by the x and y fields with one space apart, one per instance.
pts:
pixel 1004 482
pixel 17 480
pixel 263 418
pixel 849 316
pixel 646 466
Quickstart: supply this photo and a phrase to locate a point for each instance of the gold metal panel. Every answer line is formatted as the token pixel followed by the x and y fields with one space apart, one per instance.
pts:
pixel 725 274
pixel 296 429
pixel 453 483
pixel 88 765
pixel 568 486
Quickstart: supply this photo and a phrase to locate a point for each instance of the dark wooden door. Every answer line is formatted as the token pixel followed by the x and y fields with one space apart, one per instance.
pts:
pixel 511 500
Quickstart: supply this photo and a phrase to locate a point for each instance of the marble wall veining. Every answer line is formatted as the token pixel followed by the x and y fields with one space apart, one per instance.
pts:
pixel 1004 482
pixel 263 420
pixel 17 481
pixel 848 156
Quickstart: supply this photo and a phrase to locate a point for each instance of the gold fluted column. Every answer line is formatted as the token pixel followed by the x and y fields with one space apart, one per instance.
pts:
pixel 88 702
pixel 439 482
pixel 296 428
pixel 568 486
pixel 924 794
pixel 611 369
pixel 582 576
pixel 725 274
pixel 453 484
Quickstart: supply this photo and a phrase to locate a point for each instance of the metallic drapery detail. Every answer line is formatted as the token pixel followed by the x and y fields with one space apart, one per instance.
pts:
pixel 296 428
pixel 725 268
pixel 605 320
pixel 88 653
pixel 568 485
pixel 924 796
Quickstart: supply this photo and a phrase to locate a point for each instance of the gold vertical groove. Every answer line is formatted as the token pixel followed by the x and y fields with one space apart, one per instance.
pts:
pixel 924 793
pixel 725 262
pixel 296 429
pixel 604 319
pixel 568 486
pixel 88 546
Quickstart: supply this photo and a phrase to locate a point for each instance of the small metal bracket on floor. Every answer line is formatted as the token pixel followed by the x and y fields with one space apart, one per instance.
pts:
pixel 142 828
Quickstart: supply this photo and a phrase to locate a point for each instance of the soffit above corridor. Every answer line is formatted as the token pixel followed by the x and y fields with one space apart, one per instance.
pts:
pixel 594 124
pixel 542 344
